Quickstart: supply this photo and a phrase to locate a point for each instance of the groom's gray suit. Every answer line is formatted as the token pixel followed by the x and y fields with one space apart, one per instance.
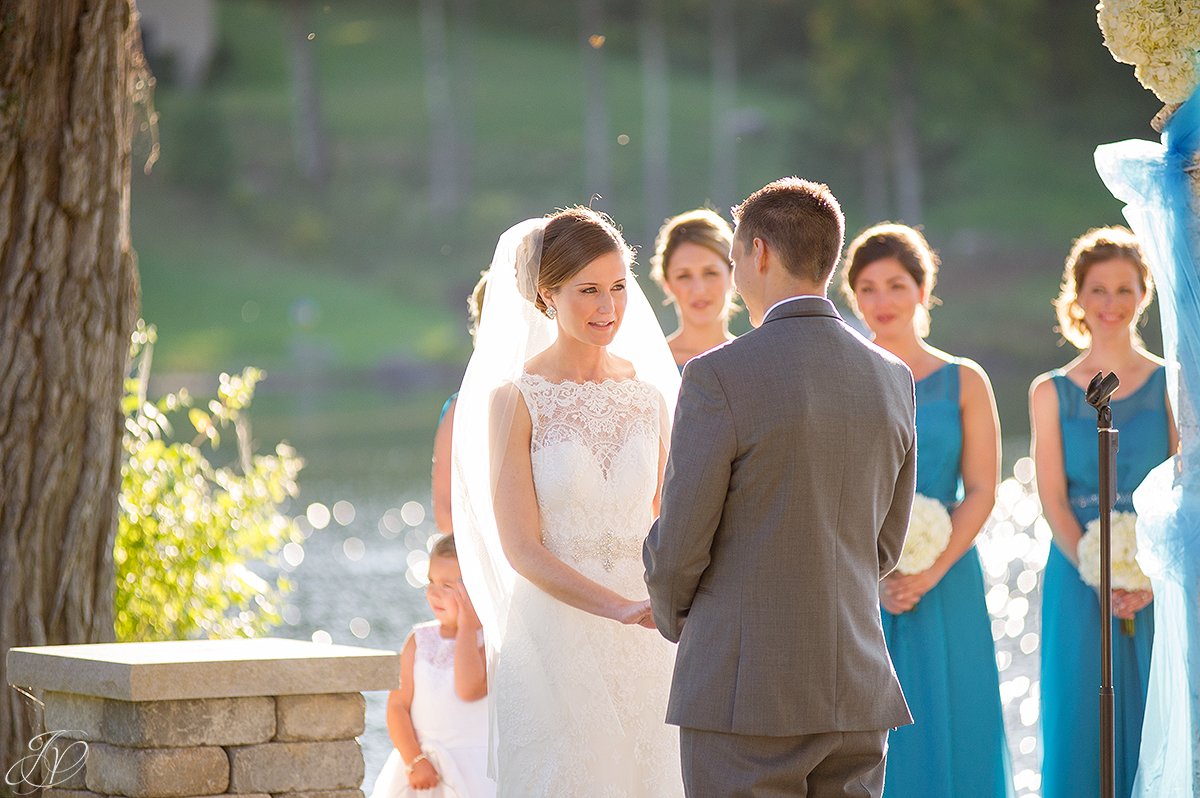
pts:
pixel 786 500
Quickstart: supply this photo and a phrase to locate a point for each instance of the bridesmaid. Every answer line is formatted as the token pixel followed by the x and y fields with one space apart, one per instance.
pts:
pixel 1106 286
pixel 936 622
pixel 691 264
pixel 443 438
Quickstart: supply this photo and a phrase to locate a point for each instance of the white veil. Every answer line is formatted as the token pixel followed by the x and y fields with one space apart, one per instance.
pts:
pixel 511 331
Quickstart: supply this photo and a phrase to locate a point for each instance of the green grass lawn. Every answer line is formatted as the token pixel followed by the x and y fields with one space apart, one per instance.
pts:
pixel 259 268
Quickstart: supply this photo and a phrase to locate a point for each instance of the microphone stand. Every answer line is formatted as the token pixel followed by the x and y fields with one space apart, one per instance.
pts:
pixel 1099 392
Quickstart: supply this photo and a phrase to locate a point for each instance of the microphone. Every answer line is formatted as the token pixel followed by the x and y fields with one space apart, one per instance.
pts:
pixel 1101 389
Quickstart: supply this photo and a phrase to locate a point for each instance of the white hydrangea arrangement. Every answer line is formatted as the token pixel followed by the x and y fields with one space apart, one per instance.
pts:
pixel 1160 38
pixel 1126 573
pixel 928 534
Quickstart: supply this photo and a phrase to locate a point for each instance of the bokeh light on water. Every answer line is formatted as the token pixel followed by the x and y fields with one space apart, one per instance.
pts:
pixel 357 581
pixel 1013 548
pixel 359 577
pixel 343 512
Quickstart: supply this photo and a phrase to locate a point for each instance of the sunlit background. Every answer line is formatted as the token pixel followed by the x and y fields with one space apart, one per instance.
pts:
pixel 332 178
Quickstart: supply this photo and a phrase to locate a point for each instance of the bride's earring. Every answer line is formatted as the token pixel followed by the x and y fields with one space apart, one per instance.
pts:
pixel 551 312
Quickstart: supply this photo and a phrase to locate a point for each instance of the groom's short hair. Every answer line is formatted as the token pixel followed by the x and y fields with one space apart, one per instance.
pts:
pixel 800 220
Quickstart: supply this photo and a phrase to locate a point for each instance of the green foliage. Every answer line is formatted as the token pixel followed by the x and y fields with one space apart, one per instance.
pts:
pixel 190 529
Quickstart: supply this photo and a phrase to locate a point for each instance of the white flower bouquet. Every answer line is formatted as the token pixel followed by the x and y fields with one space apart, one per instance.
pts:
pixel 928 534
pixel 1160 38
pixel 1126 573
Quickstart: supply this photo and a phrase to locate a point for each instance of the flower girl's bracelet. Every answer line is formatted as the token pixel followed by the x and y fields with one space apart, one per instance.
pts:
pixel 409 766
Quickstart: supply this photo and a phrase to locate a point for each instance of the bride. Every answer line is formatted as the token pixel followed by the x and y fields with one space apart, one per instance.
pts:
pixel 571 386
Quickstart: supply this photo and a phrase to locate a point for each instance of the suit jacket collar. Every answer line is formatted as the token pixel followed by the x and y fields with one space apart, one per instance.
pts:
pixel 803 306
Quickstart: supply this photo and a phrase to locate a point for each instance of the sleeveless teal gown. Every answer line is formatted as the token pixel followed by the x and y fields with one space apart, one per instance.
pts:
pixel 1071 610
pixel 942 649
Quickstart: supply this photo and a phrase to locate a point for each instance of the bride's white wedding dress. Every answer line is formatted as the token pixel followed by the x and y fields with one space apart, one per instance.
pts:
pixel 580 700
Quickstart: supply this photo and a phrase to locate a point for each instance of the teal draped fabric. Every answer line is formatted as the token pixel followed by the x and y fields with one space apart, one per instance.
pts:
pixel 1152 180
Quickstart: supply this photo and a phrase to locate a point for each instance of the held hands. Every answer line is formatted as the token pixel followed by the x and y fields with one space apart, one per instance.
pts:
pixel 900 593
pixel 1127 603
pixel 635 612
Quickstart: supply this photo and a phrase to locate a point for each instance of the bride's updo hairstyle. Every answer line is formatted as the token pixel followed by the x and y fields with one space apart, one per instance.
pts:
pixel 571 239
pixel 905 244
pixel 1095 246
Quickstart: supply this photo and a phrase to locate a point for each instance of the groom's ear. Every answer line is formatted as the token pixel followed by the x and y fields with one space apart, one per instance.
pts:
pixel 760 254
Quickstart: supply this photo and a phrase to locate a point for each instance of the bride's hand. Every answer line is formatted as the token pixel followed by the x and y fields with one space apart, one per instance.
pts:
pixel 634 612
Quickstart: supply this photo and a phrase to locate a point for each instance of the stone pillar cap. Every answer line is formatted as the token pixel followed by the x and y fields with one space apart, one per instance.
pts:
pixel 182 669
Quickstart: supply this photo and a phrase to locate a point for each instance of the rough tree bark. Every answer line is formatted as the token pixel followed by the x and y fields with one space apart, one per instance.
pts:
pixel 69 70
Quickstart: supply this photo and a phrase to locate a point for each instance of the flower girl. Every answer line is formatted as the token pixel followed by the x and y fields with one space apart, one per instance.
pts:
pixel 438 719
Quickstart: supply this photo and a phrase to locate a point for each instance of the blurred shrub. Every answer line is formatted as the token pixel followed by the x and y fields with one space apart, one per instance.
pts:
pixel 189 530
pixel 308 231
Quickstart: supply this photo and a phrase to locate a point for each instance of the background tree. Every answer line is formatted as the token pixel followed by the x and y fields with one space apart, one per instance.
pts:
pixel 69 73
pixel 445 195
pixel 723 33
pixel 312 144
pixel 656 117
pixel 597 147
pixel 926 74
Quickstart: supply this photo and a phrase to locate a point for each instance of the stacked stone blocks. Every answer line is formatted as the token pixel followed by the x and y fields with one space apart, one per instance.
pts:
pixel 251 746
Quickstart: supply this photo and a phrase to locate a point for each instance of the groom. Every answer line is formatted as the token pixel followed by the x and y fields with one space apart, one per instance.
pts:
pixel 786 500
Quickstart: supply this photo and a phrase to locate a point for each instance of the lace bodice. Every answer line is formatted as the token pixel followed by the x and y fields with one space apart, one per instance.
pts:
pixel 595 452
pixel 580 698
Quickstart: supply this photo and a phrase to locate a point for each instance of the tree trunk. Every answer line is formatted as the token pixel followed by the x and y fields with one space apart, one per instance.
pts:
pixel 597 160
pixel 467 17
pixel 906 149
pixel 656 117
pixel 874 177
pixel 312 145
pixel 724 126
pixel 443 180
pixel 68 301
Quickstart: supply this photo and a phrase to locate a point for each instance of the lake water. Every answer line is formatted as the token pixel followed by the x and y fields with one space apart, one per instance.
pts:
pixel 366 486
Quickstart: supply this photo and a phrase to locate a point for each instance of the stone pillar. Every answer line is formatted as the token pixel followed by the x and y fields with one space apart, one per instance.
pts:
pixel 266 717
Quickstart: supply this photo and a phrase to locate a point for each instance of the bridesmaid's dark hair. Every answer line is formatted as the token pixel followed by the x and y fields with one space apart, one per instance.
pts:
pixel 573 238
pixel 1095 246
pixel 903 243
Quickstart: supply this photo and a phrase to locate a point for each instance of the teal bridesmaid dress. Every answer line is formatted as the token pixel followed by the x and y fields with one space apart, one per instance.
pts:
pixel 1071 610
pixel 942 648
